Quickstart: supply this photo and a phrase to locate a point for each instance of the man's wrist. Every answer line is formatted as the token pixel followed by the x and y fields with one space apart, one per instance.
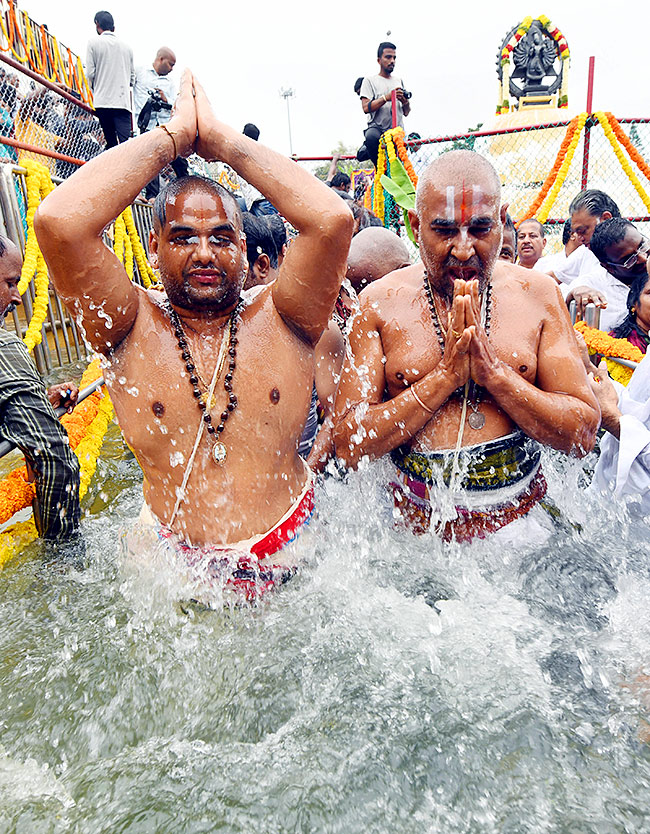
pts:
pixel 440 382
pixel 172 135
pixel 498 379
pixel 611 421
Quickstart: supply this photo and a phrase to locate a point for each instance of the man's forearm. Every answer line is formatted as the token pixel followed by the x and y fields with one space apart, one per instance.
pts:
pixel 92 198
pixel 384 426
pixel 561 421
pixel 298 196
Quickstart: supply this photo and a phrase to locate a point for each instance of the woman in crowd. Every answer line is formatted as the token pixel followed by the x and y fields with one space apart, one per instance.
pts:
pixel 636 324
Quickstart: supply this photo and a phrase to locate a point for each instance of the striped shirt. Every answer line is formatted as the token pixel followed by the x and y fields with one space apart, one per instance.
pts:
pixel 28 421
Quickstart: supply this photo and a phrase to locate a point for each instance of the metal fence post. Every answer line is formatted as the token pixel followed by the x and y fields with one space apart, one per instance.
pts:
pixel 588 124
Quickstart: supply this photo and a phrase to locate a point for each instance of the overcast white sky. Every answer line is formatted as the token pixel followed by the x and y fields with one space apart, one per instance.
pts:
pixel 244 52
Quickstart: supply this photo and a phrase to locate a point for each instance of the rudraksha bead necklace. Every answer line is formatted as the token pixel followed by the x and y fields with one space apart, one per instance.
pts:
pixel 219 450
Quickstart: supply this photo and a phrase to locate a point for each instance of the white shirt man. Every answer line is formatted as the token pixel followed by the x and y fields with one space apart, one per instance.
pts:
pixel 624 463
pixel 155 79
pixel 109 69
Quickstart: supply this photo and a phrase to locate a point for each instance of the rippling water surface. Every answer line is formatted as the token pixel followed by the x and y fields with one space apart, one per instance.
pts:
pixel 395 685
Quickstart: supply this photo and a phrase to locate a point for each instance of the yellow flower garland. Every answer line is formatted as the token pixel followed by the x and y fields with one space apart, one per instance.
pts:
pixel 598 341
pixel 127 246
pixel 39 184
pixel 616 147
pixel 547 205
pixel 391 145
pixel 378 206
pixel 17 537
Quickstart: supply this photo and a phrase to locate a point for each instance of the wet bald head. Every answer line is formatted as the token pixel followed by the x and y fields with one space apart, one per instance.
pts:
pixel 165 61
pixel 374 252
pixel 459 175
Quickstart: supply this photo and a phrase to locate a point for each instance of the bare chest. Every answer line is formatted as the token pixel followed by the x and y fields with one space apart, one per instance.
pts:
pixel 413 345
pixel 262 406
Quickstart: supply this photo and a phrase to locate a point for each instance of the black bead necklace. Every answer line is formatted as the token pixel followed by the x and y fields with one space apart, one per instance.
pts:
pixel 203 399
pixel 476 419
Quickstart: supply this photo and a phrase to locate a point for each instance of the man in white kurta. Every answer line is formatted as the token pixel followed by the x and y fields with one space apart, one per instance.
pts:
pixel 624 464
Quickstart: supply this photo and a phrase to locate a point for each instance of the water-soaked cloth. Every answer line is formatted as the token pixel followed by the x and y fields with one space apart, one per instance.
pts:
pixel 495 483
pixel 240 566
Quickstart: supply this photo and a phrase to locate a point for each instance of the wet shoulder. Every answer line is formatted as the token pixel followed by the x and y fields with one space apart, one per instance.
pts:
pixel 395 290
pixel 516 281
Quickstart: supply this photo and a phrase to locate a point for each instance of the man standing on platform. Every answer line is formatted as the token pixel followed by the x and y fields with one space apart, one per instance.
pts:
pixel 376 101
pixel 462 365
pixel 153 96
pixel 109 69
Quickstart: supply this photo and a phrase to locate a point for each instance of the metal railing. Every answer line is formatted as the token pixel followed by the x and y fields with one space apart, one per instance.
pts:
pixel 62 339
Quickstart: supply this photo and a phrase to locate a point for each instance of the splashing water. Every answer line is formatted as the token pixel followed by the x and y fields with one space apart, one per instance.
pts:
pixel 396 684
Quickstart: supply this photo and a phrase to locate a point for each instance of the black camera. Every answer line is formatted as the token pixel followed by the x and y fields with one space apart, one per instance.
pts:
pixel 154 104
pixel 158 103
pixel 406 94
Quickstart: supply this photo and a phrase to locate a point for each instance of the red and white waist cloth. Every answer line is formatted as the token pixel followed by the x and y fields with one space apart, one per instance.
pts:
pixel 245 567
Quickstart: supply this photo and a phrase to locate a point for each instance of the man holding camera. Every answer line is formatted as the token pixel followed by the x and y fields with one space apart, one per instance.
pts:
pixel 153 96
pixel 376 101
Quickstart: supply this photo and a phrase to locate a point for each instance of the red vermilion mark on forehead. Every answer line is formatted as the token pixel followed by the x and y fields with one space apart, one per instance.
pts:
pixel 463 207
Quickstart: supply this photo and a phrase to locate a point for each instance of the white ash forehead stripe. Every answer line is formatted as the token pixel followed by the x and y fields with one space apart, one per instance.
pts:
pixel 451 199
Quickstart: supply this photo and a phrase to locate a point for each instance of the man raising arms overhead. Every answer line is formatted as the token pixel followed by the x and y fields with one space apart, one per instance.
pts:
pixel 211 392
pixel 462 359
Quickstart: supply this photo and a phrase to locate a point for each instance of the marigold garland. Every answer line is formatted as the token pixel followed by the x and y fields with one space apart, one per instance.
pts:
pixel 624 139
pixel 550 179
pixel 86 427
pixel 15 491
pixel 39 184
pixel 37 59
pixel 563 170
pixel 144 267
pixel 391 147
pixel 603 118
pixel 608 346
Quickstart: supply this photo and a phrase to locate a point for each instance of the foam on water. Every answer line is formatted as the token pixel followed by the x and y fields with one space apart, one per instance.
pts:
pixel 396 684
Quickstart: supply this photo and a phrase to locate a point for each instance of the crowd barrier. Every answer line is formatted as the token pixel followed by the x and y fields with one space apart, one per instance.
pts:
pixel 62 342
pixel 525 158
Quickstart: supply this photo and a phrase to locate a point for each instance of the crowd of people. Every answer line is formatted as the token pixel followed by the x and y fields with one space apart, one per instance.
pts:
pixel 260 361
pixel 602 262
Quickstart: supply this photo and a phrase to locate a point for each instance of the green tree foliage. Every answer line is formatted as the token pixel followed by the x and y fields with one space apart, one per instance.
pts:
pixel 345 165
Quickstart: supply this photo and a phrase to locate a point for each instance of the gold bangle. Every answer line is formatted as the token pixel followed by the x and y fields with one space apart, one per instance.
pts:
pixel 419 401
pixel 171 136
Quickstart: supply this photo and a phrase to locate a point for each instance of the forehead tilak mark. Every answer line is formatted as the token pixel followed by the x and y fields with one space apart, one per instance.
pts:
pixel 451 202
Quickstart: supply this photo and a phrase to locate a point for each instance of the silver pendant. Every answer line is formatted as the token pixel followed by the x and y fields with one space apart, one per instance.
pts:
pixel 476 420
pixel 219 453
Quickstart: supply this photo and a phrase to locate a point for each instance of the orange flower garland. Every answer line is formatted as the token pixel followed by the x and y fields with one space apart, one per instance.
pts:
pixel 608 346
pixel 400 145
pixel 550 179
pixel 391 146
pixel 625 165
pixel 15 491
pixel 624 139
